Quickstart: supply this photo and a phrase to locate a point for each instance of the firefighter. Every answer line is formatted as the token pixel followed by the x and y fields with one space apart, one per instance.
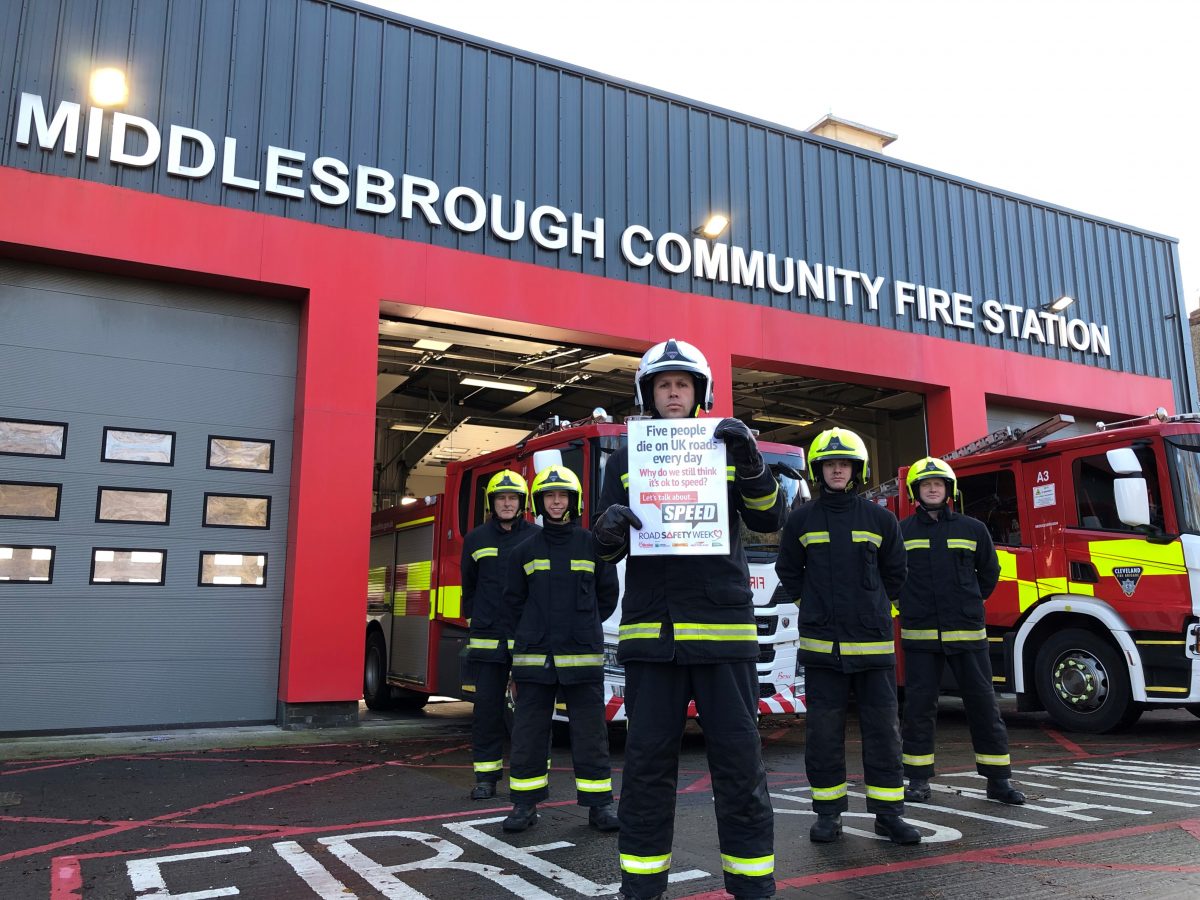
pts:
pixel 560 594
pixel 842 559
pixel 952 569
pixel 688 632
pixel 485 553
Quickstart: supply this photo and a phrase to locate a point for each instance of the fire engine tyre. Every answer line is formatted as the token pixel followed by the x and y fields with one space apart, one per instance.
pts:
pixel 1083 683
pixel 376 692
pixel 409 701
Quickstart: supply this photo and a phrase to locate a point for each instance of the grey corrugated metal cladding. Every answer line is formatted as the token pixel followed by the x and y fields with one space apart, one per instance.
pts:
pixel 340 87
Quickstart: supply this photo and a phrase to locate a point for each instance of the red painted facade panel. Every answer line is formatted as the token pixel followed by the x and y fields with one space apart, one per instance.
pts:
pixel 342 277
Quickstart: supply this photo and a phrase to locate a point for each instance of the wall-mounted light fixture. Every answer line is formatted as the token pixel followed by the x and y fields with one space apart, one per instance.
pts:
pixel 1060 304
pixel 108 87
pixel 408 499
pixel 714 227
pixel 499 385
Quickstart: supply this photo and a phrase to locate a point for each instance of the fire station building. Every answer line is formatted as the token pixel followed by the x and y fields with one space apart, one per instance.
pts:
pixel 267 266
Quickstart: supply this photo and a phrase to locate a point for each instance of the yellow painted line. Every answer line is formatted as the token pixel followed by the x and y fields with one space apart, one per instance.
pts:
pixel 414 523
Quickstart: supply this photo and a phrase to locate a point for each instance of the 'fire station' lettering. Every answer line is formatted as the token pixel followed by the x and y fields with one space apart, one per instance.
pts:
pixel 190 153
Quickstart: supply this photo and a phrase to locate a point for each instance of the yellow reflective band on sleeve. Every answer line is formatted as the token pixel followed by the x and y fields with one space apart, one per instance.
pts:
pixel 961 544
pixel 511 643
pixel 528 784
pixel 885 793
pixel 702 631
pixel 625 480
pixel 529 659
pixel 910 759
pixel 485 551
pixel 639 631
pixel 867 537
pixel 917 544
pixel 596 786
pixel 997 759
pixel 483 643
pixel 730 473
pixel 918 634
pixel 867 648
pixel 816 646
pixel 537 565
pixel 645 865
pixel 760 503
pixel 741 865
pixel 814 537
pixel 582 565
pixel 494 765
pixel 964 635
pixel 830 793
pixel 574 660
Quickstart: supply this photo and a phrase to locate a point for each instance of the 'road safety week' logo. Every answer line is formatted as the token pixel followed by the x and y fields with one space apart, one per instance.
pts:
pixel 680 507
pixel 1127 577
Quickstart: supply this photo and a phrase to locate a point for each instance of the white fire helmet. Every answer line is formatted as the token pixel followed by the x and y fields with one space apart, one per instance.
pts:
pixel 672 356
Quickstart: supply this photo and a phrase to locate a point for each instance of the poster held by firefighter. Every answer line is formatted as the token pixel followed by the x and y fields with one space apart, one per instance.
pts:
pixel 677 487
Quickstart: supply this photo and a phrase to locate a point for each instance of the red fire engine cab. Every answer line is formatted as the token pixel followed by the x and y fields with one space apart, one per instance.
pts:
pixel 1096 617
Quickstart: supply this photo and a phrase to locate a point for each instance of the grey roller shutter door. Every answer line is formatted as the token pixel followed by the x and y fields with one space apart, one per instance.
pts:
pixel 1010 416
pixel 98 352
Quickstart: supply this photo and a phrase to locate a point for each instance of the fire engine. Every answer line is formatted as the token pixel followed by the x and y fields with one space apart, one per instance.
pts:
pixel 1095 618
pixel 415 630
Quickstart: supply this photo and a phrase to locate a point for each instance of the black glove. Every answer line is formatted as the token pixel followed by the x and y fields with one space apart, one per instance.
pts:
pixel 740 447
pixel 612 528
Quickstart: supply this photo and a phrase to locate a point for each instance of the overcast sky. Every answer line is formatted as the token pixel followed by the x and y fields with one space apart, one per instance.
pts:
pixel 1088 104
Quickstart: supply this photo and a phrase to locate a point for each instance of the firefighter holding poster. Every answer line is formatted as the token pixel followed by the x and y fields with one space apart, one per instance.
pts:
pixel 687 622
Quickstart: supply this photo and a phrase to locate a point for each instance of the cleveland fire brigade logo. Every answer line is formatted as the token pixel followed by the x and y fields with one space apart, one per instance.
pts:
pixel 1127 577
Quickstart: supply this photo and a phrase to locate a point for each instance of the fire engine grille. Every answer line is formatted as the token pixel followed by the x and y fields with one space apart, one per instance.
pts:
pixel 766 655
pixel 766 625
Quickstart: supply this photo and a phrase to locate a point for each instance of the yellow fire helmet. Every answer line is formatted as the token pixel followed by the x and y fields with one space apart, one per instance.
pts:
pixel 838 443
pixel 557 478
pixel 506 482
pixel 931 467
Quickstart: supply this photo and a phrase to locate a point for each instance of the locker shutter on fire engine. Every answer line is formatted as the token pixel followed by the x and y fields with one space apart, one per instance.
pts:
pixel 145 455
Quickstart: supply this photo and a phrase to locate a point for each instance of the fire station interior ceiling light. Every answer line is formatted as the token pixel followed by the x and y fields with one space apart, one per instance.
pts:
pixel 415 426
pixel 782 420
pixel 498 385
pixel 715 226
pixel 108 87
pixel 408 499
pixel 1060 304
pixel 428 344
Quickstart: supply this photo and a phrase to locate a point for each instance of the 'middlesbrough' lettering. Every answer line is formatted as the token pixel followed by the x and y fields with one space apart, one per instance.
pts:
pixel 191 153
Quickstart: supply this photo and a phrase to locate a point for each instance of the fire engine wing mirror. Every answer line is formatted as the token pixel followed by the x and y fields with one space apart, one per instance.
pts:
pixel 1124 461
pixel 1133 501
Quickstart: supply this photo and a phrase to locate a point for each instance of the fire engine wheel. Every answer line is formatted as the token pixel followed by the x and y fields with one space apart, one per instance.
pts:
pixel 1083 683
pixel 376 692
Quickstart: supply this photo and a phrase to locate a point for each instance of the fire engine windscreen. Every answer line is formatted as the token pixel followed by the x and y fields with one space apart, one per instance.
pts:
pixel 764 548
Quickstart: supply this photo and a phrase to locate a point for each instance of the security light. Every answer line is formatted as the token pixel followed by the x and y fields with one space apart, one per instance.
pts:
pixel 108 87
pixel 1060 304
pixel 714 227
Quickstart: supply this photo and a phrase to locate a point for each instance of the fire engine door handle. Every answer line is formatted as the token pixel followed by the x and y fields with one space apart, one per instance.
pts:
pixel 1084 572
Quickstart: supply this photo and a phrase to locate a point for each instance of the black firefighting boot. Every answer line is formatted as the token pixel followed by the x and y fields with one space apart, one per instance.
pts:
pixel 1001 789
pixel 624 896
pixel 826 830
pixel 520 818
pixel 603 818
pixel 483 790
pixel 918 790
pixel 896 830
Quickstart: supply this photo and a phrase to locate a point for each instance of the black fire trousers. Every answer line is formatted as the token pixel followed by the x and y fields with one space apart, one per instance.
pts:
pixel 922 684
pixel 827 698
pixel 529 778
pixel 487 721
pixel 656 702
